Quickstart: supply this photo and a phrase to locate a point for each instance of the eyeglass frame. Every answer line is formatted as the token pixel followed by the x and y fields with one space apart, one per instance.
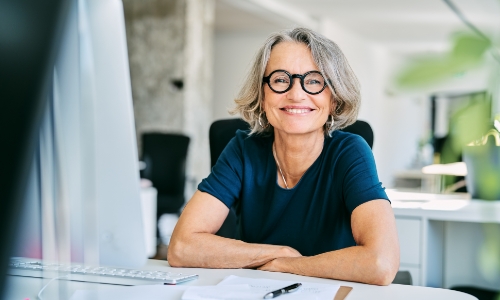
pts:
pixel 267 79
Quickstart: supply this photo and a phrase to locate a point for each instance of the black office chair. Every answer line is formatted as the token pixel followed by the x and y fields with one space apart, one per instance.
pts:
pixel 221 132
pixel 165 156
pixel 362 129
pixel 403 277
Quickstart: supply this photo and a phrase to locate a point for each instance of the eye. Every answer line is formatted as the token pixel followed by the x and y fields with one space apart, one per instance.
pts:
pixel 281 79
pixel 313 81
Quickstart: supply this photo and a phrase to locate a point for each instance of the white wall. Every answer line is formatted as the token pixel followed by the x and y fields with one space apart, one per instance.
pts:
pixel 396 121
pixel 234 53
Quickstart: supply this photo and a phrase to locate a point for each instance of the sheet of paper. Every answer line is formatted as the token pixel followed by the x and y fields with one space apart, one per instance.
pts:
pixel 228 292
pixel 234 287
pixel 140 292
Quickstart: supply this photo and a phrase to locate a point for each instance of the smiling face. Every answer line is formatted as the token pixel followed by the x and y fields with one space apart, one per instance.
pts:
pixel 295 111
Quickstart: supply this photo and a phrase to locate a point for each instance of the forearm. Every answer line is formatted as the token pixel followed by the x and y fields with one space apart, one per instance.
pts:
pixel 194 243
pixel 206 250
pixel 358 263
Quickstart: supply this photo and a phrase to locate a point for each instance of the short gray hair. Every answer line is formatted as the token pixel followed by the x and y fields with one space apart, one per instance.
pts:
pixel 331 63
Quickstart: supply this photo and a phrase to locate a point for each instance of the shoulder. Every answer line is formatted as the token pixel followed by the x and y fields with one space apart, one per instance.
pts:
pixel 345 143
pixel 245 139
pixel 245 144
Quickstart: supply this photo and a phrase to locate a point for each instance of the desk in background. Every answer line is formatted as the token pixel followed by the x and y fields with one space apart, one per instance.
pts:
pixel 28 287
pixel 416 179
pixel 441 235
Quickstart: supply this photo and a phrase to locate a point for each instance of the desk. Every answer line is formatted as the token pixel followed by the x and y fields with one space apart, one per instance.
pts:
pixel 441 236
pixel 27 287
pixel 416 179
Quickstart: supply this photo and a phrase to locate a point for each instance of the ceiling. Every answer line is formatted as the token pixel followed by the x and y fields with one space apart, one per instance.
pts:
pixel 388 22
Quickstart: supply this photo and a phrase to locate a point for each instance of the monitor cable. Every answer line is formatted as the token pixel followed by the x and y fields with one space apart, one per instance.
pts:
pixel 48 283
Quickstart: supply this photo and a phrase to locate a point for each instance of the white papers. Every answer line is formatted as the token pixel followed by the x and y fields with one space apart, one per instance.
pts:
pixel 234 287
pixel 216 292
pixel 150 292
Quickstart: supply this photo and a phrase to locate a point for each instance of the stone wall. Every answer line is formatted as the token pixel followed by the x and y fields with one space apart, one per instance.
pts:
pixel 155 38
pixel 198 95
pixel 170 53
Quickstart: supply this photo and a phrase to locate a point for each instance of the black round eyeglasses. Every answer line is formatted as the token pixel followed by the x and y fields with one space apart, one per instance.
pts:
pixel 280 81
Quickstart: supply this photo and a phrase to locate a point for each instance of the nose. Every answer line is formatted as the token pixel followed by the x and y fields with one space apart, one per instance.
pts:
pixel 296 93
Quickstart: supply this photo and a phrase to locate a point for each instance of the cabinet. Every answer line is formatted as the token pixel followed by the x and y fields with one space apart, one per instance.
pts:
pixel 441 238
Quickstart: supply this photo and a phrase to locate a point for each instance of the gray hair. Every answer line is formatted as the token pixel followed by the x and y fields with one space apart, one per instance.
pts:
pixel 331 63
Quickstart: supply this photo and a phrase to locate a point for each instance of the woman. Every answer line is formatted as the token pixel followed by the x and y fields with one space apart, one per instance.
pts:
pixel 308 196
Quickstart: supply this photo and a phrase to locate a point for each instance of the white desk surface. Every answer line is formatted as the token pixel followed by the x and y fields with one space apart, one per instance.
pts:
pixel 28 288
pixel 444 207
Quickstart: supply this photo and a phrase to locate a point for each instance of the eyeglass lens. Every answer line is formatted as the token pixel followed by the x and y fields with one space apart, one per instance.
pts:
pixel 281 81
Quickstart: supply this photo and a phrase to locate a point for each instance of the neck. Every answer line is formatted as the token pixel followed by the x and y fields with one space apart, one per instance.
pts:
pixel 295 154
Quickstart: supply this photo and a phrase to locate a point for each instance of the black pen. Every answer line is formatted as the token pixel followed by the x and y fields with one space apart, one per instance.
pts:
pixel 289 289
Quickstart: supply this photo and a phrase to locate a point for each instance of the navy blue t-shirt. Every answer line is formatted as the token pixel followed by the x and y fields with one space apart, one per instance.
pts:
pixel 315 215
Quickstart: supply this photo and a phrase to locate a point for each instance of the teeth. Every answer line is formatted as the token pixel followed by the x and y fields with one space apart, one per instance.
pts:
pixel 297 110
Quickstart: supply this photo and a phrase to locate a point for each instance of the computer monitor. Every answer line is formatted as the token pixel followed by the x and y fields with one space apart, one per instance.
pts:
pixel 29 33
pixel 83 194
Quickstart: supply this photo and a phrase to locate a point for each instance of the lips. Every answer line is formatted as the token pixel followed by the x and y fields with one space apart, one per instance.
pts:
pixel 297 110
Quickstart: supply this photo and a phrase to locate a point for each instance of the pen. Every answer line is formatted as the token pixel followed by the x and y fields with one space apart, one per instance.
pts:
pixel 289 289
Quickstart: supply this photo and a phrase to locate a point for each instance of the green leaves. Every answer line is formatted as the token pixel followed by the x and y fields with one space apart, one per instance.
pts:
pixel 470 47
pixel 468 52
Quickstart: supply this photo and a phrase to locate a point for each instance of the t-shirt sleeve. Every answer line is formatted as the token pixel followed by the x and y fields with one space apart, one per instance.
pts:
pixel 225 180
pixel 360 182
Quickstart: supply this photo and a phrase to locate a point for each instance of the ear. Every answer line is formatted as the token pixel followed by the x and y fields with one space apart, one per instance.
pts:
pixel 263 103
pixel 333 106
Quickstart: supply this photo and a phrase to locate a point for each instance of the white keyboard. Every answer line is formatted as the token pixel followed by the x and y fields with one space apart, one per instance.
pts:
pixel 22 267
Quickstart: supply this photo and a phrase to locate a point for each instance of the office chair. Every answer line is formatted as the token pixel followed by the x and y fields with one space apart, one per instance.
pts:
pixel 362 129
pixel 479 293
pixel 403 277
pixel 165 156
pixel 220 133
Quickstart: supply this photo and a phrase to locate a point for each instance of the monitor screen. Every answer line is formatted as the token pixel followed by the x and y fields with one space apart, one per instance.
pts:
pixel 83 202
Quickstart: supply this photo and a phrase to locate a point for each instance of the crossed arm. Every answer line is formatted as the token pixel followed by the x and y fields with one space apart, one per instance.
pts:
pixel 374 260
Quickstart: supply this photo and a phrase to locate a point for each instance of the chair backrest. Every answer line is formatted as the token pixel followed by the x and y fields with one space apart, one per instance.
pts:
pixel 221 132
pixel 165 156
pixel 403 277
pixel 362 129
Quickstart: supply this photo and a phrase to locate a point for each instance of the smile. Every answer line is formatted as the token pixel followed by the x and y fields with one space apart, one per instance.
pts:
pixel 297 110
